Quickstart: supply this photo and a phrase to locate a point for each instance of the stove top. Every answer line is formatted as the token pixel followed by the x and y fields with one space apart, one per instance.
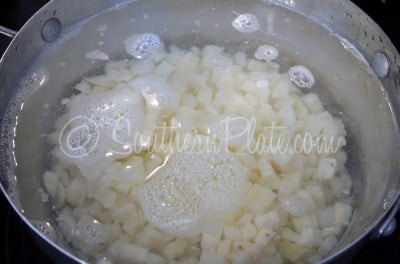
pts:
pixel 18 247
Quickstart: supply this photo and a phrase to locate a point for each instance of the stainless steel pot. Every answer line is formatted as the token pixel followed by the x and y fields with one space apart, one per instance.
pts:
pixel 48 54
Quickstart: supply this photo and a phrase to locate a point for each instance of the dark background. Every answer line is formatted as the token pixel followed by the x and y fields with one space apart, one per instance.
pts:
pixel 16 245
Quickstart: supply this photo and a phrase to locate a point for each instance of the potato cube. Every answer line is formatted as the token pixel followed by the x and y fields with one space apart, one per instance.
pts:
pixel 75 193
pixel 155 259
pixel 175 249
pixel 120 214
pixel 50 180
pixel 326 169
pixel 310 237
pixel 259 198
pixel 289 235
pixel 264 236
pixel 231 233
pixel 129 253
pixel 327 245
pixel 313 103
pixel 343 214
pixel 248 232
pixel 293 251
pixel 106 198
pixel 207 258
pixel 246 218
pixel 224 247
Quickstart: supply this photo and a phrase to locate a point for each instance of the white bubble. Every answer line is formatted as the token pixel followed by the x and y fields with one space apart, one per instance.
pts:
pixel 90 231
pixel 141 45
pixel 178 195
pixel 99 124
pixel 97 55
pixel 266 52
pixel 246 23
pixel 301 76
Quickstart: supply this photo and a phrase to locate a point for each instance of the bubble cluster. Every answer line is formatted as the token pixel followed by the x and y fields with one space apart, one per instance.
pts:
pixel 99 124
pixel 141 45
pixel 246 23
pixel 301 76
pixel 45 228
pixel 91 231
pixel 266 53
pixel 190 184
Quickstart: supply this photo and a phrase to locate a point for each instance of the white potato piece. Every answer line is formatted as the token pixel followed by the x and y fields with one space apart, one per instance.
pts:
pixel 343 214
pixel 50 181
pixel 231 233
pixel 248 232
pixel 259 198
pixel 326 169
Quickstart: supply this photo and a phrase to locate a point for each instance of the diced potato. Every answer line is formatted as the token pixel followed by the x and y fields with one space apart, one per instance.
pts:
pixel 259 198
pixel 327 245
pixel 152 238
pixel 175 249
pixel 293 251
pixel 75 193
pixel 50 181
pixel 133 171
pixel 264 236
pixel 326 217
pixel 331 231
pixel 272 220
pixel 210 240
pixel 120 214
pixel 231 233
pixel 155 259
pixel 224 247
pixel 306 221
pixel 60 195
pixel 310 237
pixel 208 258
pixel 248 232
pixel 281 161
pixel 289 235
pixel 326 169
pixel 128 253
pixel 343 214
pixel 130 226
pixel 313 103
pixel 106 198
pixel 246 218
pixel 165 69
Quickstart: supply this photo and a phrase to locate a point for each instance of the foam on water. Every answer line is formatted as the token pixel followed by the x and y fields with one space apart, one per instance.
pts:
pixel 141 45
pixel 99 124
pixel 301 76
pixel 266 53
pixel 178 195
pixel 246 23
pixel 91 231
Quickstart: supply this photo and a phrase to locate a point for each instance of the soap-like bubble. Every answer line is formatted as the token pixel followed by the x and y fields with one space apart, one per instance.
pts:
pixel 99 124
pixel 141 45
pixel 266 53
pixel 246 23
pixel 179 194
pixel 90 231
pixel 301 76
